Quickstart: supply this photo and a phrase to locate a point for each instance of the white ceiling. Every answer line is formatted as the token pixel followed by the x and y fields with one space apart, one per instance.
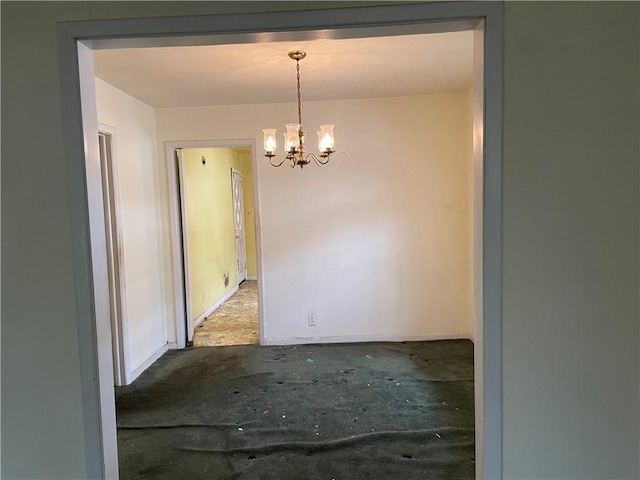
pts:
pixel 263 72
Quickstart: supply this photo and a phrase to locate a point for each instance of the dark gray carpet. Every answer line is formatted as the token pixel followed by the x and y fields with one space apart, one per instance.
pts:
pixel 360 411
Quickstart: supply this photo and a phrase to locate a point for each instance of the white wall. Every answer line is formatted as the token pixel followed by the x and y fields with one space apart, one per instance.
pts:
pixel 571 397
pixel 378 242
pixel 139 193
pixel 570 202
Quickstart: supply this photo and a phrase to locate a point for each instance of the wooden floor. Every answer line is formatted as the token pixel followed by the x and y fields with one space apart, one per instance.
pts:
pixel 234 323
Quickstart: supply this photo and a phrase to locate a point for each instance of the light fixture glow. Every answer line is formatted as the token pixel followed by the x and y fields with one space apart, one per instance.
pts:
pixel 270 143
pixel 294 136
pixel 291 137
pixel 325 138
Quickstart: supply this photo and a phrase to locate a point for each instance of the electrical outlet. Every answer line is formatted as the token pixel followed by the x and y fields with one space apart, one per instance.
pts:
pixel 312 320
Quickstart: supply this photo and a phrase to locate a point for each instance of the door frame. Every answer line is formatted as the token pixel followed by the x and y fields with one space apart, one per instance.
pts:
pixel 77 39
pixel 178 240
pixel 116 261
pixel 244 224
pixel 181 260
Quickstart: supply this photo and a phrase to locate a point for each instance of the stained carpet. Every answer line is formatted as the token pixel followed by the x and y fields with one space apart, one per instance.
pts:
pixel 376 411
pixel 235 322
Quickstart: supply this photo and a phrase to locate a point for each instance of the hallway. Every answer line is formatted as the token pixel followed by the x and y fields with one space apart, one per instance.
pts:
pixel 234 323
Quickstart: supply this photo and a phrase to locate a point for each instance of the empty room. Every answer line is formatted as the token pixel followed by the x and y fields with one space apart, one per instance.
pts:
pixel 556 357
pixel 287 302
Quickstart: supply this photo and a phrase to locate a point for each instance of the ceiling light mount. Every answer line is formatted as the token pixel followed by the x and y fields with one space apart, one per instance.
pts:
pixel 297 55
pixel 294 136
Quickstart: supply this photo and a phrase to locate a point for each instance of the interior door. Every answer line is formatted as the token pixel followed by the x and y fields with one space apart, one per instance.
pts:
pixel 184 229
pixel 238 216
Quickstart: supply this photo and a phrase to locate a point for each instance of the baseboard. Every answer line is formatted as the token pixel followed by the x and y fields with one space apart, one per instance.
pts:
pixel 252 277
pixel 172 345
pixel 148 362
pixel 365 338
pixel 214 307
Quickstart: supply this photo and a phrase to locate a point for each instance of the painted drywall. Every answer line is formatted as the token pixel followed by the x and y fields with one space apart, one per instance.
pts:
pixel 210 223
pixel 378 242
pixel 249 210
pixel 476 99
pixel 474 199
pixel 139 194
pixel 570 326
pixel 562 109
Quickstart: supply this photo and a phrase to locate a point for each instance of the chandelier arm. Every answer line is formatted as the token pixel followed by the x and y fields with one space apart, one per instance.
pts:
pixel 320 162
pixel 323 162
pixel 276 164
pixel 317 160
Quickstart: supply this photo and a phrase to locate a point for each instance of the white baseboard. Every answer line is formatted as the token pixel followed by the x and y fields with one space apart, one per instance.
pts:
pixel 214 307
pixel 365 338
pixel 172 345
pixel 252 277
pixel 148 362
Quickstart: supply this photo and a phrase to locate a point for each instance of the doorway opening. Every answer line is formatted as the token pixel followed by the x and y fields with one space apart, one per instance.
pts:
pixel 239 153
pixel 218 233
pixel 76 43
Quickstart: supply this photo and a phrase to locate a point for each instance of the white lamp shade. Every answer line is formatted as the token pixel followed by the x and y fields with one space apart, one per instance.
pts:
pixel 270 143
pixel 326 140
pixel 291 139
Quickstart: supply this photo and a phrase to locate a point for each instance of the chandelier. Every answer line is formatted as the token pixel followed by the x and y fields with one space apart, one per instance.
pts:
pixel 294 136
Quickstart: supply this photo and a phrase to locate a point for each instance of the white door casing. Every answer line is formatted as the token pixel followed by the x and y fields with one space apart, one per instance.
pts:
pixel 115 257
pixel 185 246
pixel 76 39
pixel 237 191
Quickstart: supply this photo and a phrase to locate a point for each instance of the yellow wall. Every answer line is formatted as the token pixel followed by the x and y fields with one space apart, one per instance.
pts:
pixel 249 212
pixel 209 222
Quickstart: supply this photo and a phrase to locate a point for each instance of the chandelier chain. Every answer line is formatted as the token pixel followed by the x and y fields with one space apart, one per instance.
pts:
pixel 299 95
